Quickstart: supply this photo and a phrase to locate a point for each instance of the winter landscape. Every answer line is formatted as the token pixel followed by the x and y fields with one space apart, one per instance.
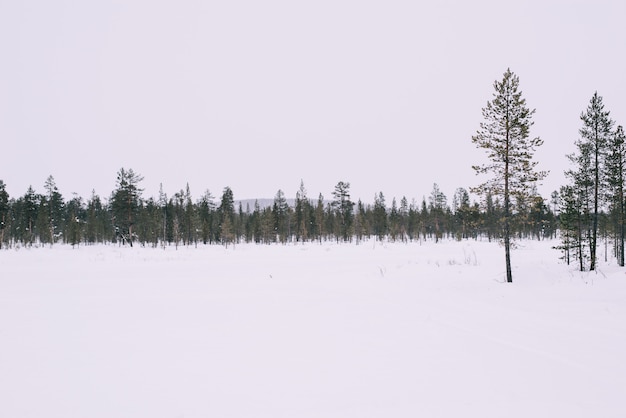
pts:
pixel 469 261
pixel 377 329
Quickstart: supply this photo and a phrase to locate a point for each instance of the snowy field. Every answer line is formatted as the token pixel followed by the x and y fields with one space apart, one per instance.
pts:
pixel 374 330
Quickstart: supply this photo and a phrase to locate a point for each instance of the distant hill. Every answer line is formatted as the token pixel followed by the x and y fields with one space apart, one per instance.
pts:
pixel 266 203
pixel 263 203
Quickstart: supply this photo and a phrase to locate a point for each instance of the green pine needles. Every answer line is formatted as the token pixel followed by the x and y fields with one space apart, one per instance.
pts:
pixel 505 136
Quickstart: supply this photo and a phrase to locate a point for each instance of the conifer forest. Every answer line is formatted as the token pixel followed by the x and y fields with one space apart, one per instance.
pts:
pixel 587 211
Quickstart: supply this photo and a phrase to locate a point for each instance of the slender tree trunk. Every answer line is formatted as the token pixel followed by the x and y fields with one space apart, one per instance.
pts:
pixel 566 246
pixel 621 219
pixel 507 229
pixel 580 243
pixel 596 196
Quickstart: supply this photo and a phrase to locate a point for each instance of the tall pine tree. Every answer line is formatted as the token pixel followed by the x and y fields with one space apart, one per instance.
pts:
pixel 615 166
pixel 592 150
pixel 125 203
pixel 504 135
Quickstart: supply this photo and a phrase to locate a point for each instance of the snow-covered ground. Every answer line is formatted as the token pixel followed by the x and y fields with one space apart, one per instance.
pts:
pixel 374 330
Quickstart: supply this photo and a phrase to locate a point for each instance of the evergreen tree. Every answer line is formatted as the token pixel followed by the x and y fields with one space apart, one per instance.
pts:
pixel 319 217
pixel 301 214
pixel 437 210
pixel 595 134
pixel 504 134
pixel 206 212
pixel 125 203
pixel 615 165
pixel 581 178
pixel 571 225
pixel 97 228
pixel 4 211
pixel 424 219
pixel 379 217
pixel 55 210
pixel 343 210
pixel 461 208
pixel 163 216
pixel 178 221
pixel 394 221
pixel 255 221
pixel 404 218
pixel 149 224
pixel 75 221
pixel 587 176
pixel 29 215
pixel 360 222
pixel 280 210
pixel 227 217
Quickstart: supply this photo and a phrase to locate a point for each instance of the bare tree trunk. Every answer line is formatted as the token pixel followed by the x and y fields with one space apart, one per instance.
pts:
pixel 621 223
pixel 507 210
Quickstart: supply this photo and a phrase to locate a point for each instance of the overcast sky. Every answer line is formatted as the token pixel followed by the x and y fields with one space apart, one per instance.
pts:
pixel 258 95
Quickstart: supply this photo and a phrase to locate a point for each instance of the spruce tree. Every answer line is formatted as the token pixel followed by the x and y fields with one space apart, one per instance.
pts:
pixel 504 135
pixel 461 208
pixel 75 221
pixel 206 210
pixel 227 217
pixel 54 203
pixel 301 214
pixel 379 215
pixel 343 210
pixel 438 203
pixel 30 206
pixel 125 203
pixel 280 210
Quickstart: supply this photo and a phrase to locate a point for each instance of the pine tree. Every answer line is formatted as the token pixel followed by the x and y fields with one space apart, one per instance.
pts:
pixel 360 222
pixel 75 221
pixel 280 210
pixel 343 210
pixel 394 220
pixel 581 179
pixel 227 217
pixel 592 148
pixel 404 218
pixel 125 203
pixel 163 216
pixel 319 218
pixel 4 210
pixel 190 218
pixel 55 207
pixel 379 217
pixel 30 206
pixel 206 211
pixel 504 134
pixel 615 166
pixel 571 225
pixel 438 204
pixel 301 214
pixel 461 208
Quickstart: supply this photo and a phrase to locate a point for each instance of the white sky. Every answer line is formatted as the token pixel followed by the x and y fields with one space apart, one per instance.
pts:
pixel 257 95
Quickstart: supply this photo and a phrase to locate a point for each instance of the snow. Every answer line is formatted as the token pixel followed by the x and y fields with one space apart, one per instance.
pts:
pixel 314 330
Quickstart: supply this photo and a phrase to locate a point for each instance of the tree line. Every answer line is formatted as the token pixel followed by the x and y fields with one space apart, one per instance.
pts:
pixel 126 217
pixel 591 207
